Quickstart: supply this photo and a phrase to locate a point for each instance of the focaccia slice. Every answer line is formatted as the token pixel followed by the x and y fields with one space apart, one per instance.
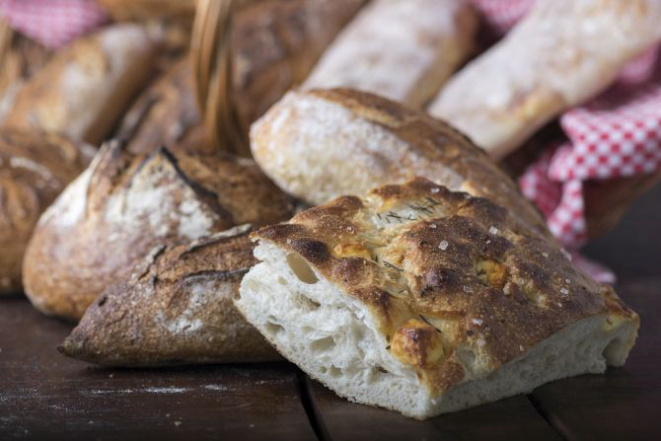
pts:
pixel 426 301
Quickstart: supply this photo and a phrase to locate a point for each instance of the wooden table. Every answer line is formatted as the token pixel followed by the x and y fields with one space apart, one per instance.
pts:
pixel 46 396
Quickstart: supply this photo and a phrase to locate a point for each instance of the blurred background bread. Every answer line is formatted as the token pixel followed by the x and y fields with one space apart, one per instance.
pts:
pixel 403 50
pixel 34 168
pixel 85 88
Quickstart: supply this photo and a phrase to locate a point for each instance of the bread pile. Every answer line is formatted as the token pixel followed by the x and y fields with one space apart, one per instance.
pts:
pixel 422 281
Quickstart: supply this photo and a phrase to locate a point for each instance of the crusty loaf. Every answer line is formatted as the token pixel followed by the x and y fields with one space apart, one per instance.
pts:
pixel 426 301
pixel 85 88
pixel 20 59
pixel 123 205
pixel 34 168
pixel 179 301
pixel 165 114
pixel 402 49
pixel 278 42
pixel 562 53
pixel 320 144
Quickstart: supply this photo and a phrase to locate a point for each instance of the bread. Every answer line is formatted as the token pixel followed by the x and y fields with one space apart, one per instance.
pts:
pixel 166 114
pixel 321 144
pixel 34 168
pixel 562 53
pixel 85 88
pixel 425 301
pixel 20 59
pixel 123 206
pixel 402 50
pixel 179 302
pixel 278 42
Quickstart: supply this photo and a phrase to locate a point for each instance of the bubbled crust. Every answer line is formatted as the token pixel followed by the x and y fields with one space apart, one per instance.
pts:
pixel 34 168
pixel 126 204
pixel 179 300
pixel 424 146
pixel 420 256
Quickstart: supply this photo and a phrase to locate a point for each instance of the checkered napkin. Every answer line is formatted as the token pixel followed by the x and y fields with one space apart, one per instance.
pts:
pixel 616 134
pixel 53 23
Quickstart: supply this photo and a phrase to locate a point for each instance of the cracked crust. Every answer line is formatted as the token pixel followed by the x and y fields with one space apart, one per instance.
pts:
pixel 200 324
pixel 123 205
pixel 34 168
pixel 423 259
pixel 84 88
pixel 321 144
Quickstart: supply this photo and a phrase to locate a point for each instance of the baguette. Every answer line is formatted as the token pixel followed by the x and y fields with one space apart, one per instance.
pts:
pixel 426 301
pixel 123 206
pixel 562 53
pixel 197 282
pixel 34 168
pixel 318 145
pixel 85 88
pixel 402 50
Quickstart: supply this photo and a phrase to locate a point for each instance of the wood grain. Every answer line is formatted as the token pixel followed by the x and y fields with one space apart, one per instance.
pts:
pixel 509 419
pixel 46 396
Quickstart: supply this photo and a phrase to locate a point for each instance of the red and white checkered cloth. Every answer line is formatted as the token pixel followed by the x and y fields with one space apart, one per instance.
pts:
pixel 53 23
pixel 616 134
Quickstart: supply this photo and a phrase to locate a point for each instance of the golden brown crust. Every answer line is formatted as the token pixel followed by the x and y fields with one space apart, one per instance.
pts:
pixel 410 142
pixel 179 301
pixel 84 88
pixel 124 205
pixel 460 264
pixel 34 168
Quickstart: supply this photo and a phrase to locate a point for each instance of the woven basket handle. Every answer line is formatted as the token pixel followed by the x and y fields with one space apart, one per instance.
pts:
pixel 213 73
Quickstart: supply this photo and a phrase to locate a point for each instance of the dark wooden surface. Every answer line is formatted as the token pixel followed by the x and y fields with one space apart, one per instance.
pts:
pixel 46 396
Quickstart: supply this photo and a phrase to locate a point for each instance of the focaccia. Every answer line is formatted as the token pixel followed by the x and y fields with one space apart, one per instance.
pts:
pixel 400 49
pixel 321 144
pixel 562 53
pixel 426 301
pixel 197 281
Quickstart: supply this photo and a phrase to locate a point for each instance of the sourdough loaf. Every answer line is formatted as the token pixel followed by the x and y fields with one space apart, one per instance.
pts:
pixel 197 281
pixel 402 49
pixel 320 144
pixel 124 205
pixel 426 301
pixel 85 87
pixel 34 168
pixel 562 53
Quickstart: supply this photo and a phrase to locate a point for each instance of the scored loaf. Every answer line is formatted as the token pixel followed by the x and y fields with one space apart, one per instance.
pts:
pixel 197 281
pixel 400 49
pixel 426 301
pixel 321 144
pixel 85 87
pixel 123 205
pixel 562 53
pixel 34 168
